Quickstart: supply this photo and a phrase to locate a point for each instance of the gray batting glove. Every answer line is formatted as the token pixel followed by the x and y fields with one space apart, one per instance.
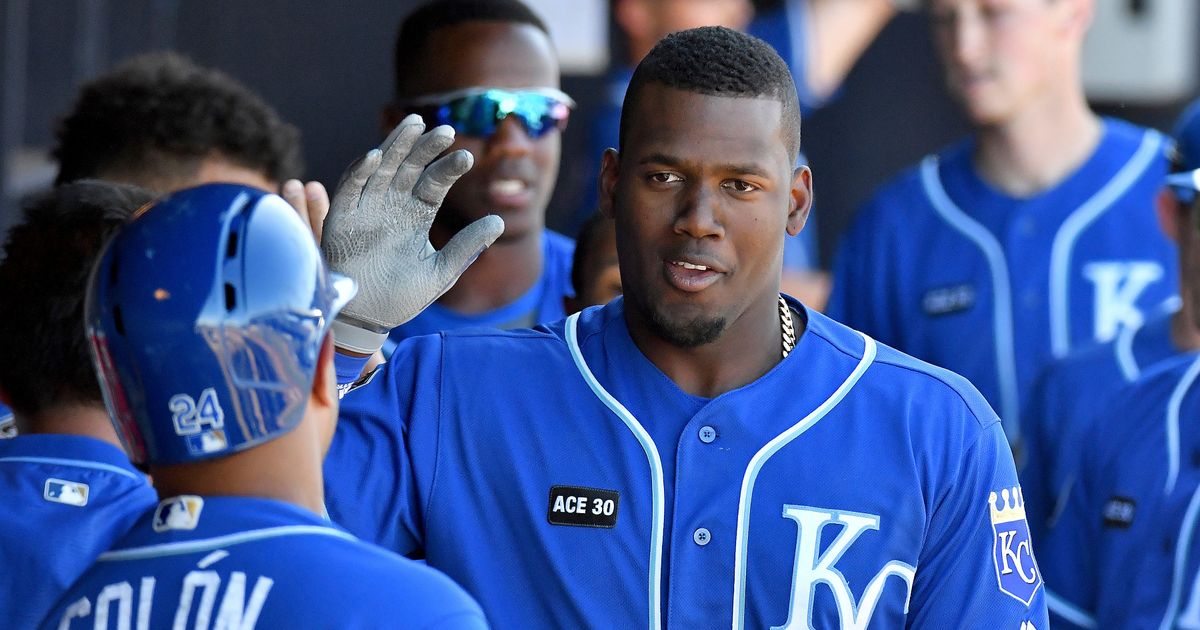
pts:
pixel 377 232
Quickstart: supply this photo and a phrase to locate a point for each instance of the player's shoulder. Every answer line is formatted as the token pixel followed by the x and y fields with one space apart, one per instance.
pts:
pixel 895 378
pixel 895 200
pixel 1158 380
pixel 1124 135
pixel 1097 362
pixel 383 580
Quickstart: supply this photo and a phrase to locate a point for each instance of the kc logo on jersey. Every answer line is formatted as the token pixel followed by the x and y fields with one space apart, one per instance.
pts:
pixel 66 492
pixel 181 512
pixel 1016 570
pixel 816 562
pixel 1118 285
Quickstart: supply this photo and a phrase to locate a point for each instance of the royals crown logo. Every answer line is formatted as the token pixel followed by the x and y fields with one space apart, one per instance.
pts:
pixel 1008 506
pixel 1016 570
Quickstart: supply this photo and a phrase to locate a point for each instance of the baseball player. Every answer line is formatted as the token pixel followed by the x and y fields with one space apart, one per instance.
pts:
pixel 489 70
pixel 68 489
pixel 1029 238
pixel 160 121
pixel 594 271
pixel 1129 469
pixel 208 320
pixel 701 452
pixel 1123 554
pixel 1073 392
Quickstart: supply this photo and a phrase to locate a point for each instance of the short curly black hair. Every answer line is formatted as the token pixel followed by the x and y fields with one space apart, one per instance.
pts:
pixel 718 61
pixel 158 115
pixel 43 278
pixel 438 14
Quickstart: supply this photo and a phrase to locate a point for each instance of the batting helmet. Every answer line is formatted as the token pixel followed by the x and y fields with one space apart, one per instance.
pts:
pixel 206 316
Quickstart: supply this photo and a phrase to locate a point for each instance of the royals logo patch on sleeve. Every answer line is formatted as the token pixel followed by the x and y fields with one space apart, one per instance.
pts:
pixel 1016 569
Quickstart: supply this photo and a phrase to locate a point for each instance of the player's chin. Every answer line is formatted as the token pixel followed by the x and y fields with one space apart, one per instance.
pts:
pixel 687 328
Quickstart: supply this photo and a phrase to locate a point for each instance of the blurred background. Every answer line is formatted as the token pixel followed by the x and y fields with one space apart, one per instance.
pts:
pixel 326 67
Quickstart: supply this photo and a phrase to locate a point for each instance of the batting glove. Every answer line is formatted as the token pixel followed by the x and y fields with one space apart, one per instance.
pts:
pixel 377 232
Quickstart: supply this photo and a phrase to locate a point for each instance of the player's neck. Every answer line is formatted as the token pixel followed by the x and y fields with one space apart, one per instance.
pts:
pixel 504 272
pixel 286 469
pixel 1184 334
pixel 85 420
pixel 1039 148
pixel 747 349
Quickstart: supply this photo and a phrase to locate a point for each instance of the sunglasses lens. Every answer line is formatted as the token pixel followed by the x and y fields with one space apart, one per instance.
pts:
pixel 480 114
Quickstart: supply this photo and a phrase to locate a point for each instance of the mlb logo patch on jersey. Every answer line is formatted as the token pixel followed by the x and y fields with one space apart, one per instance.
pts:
pixel 181 512
pixel 1016 570
pixel 66 492
pixel 947 300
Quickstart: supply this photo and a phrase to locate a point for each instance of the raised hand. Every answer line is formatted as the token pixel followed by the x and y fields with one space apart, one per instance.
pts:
pixel 377 232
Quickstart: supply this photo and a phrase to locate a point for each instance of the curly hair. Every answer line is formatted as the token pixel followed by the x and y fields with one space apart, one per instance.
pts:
pixel 157 116
pixel 416 29
pixel 43 278
pixel 718 61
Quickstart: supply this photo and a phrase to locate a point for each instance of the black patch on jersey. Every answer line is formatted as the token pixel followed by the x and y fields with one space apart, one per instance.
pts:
pixel 1118 512
pixel 947 300
pixel 583 507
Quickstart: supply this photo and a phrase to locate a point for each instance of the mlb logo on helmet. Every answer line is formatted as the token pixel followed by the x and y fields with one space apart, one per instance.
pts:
pixel 66 492
pixel 207 442
pixel 181 512
pixel 1016 570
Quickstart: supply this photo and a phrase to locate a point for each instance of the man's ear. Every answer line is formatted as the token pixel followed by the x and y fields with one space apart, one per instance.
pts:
pixel 324 387
pixel 1167 209
pixel 800 200
pixel 610 172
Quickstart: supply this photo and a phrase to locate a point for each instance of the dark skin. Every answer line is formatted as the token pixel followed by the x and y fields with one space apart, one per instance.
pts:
pixel 503 55
pixel 704 181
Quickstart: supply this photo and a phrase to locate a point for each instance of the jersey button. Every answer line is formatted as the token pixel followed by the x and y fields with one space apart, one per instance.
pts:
pixel 701 536
pixel 707 434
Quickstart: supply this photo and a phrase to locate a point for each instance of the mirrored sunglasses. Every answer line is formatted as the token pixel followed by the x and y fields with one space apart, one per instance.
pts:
pixel 479 111
pixel 1185 185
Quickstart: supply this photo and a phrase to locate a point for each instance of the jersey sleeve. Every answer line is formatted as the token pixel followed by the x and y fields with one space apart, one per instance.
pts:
pixel 978 569
pixel 379 469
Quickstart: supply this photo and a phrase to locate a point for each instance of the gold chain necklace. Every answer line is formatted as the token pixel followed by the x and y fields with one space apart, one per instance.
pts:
pixel 787 327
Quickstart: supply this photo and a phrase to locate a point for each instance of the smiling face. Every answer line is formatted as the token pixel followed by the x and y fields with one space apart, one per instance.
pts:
pixel 513 174
pixel 1002 56
pixel 703 196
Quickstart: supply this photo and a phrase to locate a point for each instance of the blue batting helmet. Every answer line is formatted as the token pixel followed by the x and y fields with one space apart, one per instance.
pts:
pixel 206 316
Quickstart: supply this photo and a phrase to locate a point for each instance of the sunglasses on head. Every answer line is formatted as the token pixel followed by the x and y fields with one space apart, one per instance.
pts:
pixel 1185 185
pixel 479 111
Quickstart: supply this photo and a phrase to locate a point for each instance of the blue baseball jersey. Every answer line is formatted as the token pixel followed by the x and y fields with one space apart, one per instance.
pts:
pixel 943 266
pixel 566 482
pixel 1068 399
pixel 542 303
pixel 66 499
pixel 1124 553
pixel 248 563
